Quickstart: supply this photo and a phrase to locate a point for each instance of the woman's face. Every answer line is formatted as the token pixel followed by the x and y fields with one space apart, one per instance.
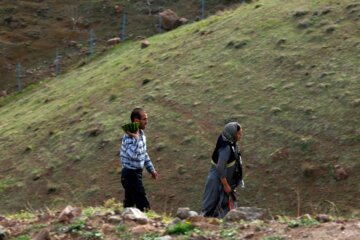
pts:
pixel 239 134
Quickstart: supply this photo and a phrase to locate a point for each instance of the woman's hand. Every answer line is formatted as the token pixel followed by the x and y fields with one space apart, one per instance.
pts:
pixel 226 185
pixel 227 189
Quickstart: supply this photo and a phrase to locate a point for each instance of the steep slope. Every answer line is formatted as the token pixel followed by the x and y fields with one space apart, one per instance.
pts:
pixel 286 70
pixel 31 32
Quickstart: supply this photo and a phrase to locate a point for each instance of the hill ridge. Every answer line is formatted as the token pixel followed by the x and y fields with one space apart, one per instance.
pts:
pixel 255 65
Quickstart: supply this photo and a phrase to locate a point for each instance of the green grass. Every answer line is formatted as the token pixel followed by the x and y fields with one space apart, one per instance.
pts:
pixel 198 82
pixel 180 228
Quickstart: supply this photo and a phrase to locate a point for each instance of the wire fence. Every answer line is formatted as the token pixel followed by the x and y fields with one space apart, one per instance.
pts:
pixel 60 55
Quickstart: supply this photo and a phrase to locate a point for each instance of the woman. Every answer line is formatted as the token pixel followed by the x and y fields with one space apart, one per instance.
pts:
pixel 225 173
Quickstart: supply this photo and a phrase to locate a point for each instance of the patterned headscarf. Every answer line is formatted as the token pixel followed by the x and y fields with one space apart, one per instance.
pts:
pixel 230 130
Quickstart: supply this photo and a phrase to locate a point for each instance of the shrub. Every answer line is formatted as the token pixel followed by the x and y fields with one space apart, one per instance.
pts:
pixel 180 228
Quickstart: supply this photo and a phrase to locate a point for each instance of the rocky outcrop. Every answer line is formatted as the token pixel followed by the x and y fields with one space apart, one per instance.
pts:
pixel 170 20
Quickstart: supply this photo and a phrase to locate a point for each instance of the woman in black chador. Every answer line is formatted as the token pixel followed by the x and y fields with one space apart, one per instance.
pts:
pixel 225 173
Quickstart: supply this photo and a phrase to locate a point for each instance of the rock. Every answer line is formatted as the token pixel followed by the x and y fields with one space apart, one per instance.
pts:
pixel 326 10
pixel 113 41
pixel 245 213
pixel 108 229
pixel 3 93
pixel 3 233
pixel 281 42
pixel 118 8
pixel 306 217
pixel 183 213
pixel 144 44
pixel 134 214
pixel 304 24
pixel 310 84
pixel 340 173
pixel 300 13
pixel 183 21
pixel 280 154
pixel 330 29
pixel 95 132
pixel 167 237
pixel 115 219
pixel 237 44
pixel 141 229
pixel 356 102
pixel 249 235
pixel 193 214
pixel 42 235
pixel 170 20
pixel 323 218
pixel 69 213
pixel 175 221
pixel 275 110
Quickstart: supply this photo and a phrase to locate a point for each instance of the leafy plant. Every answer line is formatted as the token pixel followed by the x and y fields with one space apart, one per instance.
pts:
pixel 113 204
pixel 150 236
pixel 92 235
pixel 121 232
pixel 22 215
pixel 131 127
pixel 77 226
pixel 273 238
pixel 302 222
pixel 152 214
pixel 23 237
pixel 228 233
pixel 180 228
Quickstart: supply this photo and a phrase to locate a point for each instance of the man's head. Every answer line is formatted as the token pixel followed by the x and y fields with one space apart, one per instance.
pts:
pixel 139 115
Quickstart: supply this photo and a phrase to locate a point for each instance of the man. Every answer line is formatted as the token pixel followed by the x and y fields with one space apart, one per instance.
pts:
pixel 134 157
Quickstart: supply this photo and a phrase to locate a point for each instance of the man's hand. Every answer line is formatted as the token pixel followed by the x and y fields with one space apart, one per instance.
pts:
pixel 134 135
pixel 154 175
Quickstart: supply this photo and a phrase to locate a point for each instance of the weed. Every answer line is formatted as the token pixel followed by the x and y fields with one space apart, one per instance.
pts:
pixel 180 228
pixel 5 183
pixel 76 226
pixel 273 238
pixel 22 215
pixel 112 98
pixel 92 235
pixel 302 222
pixel 150 236
pixel 152 214
pixel 23 237
pixel 229 234
pixel 122 232
pixel 113 204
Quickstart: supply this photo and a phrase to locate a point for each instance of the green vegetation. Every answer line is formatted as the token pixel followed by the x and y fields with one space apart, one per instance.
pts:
pixel 273 238
pixel 229 234
pixel 302 222
pixel 23 237
pixel 277 68
pixel 180 228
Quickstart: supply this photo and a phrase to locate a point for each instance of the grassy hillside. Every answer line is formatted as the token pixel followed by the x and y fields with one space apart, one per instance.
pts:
pixel 286 70
pixel 32 31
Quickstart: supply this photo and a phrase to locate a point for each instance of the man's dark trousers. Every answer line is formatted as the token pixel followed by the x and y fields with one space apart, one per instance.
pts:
pixel 135 194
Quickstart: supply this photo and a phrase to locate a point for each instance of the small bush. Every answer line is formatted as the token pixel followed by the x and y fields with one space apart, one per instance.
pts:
pixel 92 235
pixel 302 222
pixel 152 214
pixel 76 226
pixel 180 228
pixel 273 238
pixel 228 234
pixel 23 237
pixel 150 236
